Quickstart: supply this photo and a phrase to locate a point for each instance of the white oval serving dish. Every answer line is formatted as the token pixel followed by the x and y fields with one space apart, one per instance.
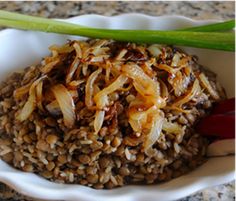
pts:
pixel 23 48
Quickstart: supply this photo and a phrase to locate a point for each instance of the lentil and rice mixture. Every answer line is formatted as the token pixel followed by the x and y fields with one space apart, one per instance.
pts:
pixel 106 114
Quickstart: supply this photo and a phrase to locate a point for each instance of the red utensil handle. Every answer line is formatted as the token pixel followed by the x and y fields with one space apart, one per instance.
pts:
pixel 221 122
pixel 224 106
pixel 220 125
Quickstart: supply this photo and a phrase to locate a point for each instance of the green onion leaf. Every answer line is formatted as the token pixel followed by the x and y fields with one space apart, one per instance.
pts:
pixel 221 26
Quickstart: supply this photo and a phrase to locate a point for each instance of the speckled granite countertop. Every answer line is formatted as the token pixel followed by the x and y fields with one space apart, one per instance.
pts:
pixel 195 10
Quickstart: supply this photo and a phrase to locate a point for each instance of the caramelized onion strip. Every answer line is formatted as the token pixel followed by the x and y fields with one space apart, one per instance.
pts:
pixel 189 95
pixel 101 98
pixel 89 87
pixel 155 131
pixel 31 103
pixel 66 104
pixel 207 85
pixel 146 87
pixel 98 121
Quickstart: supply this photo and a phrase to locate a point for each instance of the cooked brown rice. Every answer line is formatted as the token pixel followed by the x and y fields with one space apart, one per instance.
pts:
pixel 57 121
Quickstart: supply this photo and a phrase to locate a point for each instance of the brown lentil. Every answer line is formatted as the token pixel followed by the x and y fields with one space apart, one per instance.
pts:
pixel 84 159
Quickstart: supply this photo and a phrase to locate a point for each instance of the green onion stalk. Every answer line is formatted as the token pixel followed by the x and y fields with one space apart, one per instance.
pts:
pixel 206 36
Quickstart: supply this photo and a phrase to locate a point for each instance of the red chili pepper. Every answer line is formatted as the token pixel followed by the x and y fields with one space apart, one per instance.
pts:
pixel 221 122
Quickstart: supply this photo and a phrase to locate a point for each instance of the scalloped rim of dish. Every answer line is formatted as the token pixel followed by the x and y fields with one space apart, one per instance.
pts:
pixel 45 189
pixel 148 17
